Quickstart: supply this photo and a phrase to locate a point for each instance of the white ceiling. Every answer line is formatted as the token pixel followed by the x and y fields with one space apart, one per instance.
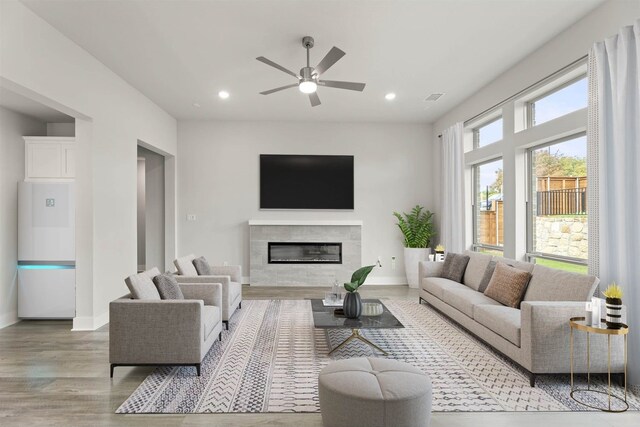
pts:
pixel 19 104
pixel 181 52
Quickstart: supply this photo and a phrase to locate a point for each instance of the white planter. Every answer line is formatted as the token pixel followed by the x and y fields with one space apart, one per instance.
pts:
pixel 412 256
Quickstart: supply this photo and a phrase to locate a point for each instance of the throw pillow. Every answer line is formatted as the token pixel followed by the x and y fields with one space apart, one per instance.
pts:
pixel 454 266
pixel 202 266
pixel 168 287
pixel 508 285
pixel 486 278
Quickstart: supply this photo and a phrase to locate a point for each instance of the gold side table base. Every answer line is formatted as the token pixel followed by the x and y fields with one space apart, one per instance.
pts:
pixel 611 396
pixel 355 335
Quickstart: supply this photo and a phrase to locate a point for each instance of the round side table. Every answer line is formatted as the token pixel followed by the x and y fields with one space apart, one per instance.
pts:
pixel 579 323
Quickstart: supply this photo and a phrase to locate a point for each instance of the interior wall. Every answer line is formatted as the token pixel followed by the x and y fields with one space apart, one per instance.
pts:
pixel 61 129
pixel 111 117
pixel 13 127
pixel 154 217
pixel 218 181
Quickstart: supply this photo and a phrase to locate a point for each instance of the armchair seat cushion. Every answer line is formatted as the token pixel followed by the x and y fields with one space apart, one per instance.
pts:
pixel 211 316
pixel 504 321
pixel 437 285
pixel 465 299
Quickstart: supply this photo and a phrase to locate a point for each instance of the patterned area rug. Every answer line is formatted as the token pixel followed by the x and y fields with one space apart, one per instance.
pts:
pixel 270 358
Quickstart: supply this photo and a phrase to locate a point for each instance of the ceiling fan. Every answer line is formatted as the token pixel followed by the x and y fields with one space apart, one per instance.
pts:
pixel 308 80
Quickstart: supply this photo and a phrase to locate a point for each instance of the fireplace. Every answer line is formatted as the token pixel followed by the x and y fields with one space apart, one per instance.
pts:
pixel 304 253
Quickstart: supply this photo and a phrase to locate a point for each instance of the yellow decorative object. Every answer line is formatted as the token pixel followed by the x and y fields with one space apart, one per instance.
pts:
pixel 613 291
pixel 439 248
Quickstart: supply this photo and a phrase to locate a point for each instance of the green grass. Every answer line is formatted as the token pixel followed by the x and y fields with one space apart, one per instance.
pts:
pixel 561 265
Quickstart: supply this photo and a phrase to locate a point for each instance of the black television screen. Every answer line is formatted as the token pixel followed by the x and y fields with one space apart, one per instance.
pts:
pixel 306 182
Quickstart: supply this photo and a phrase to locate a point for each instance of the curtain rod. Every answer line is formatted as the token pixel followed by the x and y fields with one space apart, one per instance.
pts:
pixel 531 86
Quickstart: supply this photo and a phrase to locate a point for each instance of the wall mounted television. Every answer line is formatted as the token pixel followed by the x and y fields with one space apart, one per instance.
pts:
pixel 306 182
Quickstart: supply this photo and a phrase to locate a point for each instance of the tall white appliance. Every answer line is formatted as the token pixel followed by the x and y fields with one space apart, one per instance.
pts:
pixel 46 250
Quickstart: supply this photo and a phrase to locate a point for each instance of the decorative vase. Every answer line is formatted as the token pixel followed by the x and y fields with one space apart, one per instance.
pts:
pixel 614 313
pixel 352 305
pixel 412 257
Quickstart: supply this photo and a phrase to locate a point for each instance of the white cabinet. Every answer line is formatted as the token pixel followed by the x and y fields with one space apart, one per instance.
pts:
pixel 49 158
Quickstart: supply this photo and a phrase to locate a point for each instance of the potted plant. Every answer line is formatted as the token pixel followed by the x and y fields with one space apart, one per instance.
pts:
pixel 352 304
pixel 613 295
pixel 417 228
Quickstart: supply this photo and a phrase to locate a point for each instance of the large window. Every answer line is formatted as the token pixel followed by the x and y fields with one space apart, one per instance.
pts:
pixel 557 217
pixel 487 133
pixel 559 102
pixel 488 207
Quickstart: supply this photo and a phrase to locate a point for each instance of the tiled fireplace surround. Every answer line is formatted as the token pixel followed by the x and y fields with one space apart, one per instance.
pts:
pixel 261 232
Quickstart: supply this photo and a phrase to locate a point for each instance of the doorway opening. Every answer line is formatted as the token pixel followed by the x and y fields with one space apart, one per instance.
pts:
pixel 151 210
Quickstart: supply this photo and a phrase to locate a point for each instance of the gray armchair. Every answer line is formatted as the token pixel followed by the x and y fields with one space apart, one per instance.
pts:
pixel 176 332
pixel 229 276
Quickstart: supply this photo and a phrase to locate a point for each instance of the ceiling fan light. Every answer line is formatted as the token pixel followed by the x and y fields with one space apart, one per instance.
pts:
pixel 308 86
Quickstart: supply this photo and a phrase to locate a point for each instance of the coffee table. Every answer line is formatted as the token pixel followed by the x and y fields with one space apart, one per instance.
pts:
pixel 323 318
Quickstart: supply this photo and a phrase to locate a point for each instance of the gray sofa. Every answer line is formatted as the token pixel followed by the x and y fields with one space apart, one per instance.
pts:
pixel 536 335
pixel 229 276
pixel 150 331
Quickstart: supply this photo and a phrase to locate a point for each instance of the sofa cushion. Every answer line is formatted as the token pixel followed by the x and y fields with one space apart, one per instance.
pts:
pixel 210 318
pixel 185 266
pixel 504 321
pixel 168 287
pixel 476 267
pixel 520 265
pixel 486 278
pixel 550 284
pixel 437 285
pixel 454 266
pixel 202 266
pixel 508 285
pixel 235 289
pixel 465 299
pixel 141 286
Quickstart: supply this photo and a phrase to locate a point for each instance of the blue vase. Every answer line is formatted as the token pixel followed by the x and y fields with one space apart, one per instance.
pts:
pixel 352 305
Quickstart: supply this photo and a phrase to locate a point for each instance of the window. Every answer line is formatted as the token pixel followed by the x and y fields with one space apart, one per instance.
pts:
pixel 557 217
pixel 488 133
pixel 488 212
pixel 566 99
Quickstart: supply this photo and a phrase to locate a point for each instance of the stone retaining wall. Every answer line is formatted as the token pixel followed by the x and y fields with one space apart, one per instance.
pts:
pixel 566 236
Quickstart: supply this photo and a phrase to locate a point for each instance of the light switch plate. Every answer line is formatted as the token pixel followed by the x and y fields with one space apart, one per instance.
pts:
pixel 191 217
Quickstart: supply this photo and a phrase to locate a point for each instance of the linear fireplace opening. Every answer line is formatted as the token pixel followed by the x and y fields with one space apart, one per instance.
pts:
pixel 305 253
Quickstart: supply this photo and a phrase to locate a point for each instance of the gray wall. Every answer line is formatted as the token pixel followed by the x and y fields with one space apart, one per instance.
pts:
pixel 218 180
pixel 154 208
pixel 13 127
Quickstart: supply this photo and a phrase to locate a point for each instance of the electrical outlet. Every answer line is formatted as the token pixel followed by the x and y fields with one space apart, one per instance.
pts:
pixel 191 217
pixel 393 263
pixel 225 263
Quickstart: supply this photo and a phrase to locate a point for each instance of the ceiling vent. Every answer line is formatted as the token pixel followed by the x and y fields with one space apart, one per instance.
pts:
pixel 433 97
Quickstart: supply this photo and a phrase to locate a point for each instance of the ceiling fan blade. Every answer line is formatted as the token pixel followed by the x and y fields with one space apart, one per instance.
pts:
pixel 342 85
pixel 274 65
pixel 315 100
pixel 267 92
pixel 330 58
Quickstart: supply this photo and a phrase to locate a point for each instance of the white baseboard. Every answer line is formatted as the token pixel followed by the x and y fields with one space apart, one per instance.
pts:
pixel 88 323
pixel 9 319
pixel 245 280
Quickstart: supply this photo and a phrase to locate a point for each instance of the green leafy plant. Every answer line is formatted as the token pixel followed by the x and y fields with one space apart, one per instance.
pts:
pixel 417 227
pixel 357 278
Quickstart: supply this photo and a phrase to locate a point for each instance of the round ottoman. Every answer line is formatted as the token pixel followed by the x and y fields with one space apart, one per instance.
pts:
pixel 372 392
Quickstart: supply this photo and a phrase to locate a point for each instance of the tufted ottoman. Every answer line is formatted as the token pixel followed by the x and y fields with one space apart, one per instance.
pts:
pixel 372 392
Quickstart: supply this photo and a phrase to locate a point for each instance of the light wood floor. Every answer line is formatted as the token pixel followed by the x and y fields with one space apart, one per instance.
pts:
pixel 50 376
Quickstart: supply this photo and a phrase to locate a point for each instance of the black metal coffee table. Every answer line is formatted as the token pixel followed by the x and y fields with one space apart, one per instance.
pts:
pixel 324 318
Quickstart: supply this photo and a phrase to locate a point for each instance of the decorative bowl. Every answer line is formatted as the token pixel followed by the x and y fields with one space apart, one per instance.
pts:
pixel 371 309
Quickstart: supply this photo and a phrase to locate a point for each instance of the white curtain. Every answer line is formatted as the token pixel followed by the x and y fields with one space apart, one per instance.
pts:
pixel 617 72
pixel 453 207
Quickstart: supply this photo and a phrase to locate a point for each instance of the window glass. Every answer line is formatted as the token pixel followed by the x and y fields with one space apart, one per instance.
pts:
pixel 489 204
pixel 558 216
pixel 488 133
pixel 559 103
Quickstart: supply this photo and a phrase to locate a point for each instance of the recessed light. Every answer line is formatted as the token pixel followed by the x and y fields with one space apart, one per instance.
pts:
pixel 195 104
pixel 223 94
pixel 390 96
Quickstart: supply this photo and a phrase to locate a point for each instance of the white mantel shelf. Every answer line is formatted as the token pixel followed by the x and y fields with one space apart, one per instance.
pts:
pixel 305 222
